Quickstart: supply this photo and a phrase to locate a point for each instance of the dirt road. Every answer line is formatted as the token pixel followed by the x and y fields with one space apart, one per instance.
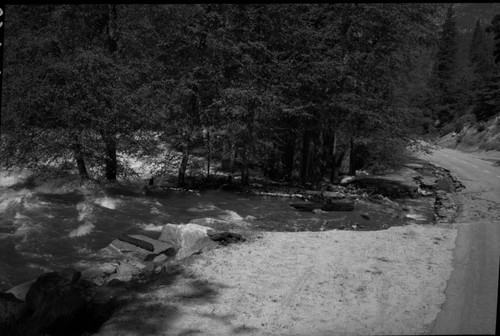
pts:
pixel 472 292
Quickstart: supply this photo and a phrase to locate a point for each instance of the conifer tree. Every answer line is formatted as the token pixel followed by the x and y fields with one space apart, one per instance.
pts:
pixel 445 67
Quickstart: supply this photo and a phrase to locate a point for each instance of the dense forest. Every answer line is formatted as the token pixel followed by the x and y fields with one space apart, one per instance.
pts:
pixel 292 90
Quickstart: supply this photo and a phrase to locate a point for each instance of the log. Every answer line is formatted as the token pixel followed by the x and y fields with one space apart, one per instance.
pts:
pixel 333 206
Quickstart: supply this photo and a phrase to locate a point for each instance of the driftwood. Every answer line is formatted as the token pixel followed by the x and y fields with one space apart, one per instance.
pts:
pixel 333 206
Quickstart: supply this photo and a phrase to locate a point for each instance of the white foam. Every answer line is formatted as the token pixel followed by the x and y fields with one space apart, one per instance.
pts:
pixel 82 230
pixel 7 179
pixel 201 207
pixel 155 211
pixel 84 210
pixel 107 202
pixel 416 217
pixel 151 227
pixel 11 198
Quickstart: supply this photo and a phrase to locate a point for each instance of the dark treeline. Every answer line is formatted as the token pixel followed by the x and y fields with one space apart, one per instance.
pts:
pixel 291 89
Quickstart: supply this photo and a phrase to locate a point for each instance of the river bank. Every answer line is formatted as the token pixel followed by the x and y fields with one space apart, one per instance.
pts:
pixel 291 251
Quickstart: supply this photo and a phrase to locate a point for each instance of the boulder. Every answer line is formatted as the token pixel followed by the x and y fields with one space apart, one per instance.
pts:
pixel 428 182
pixel 347 179
pixel 56 305
pixel 137 246
pixel 11 309
pixel 124 272
pixel 187 239
pixel 152 245
pixel 98 273
pixel 20 291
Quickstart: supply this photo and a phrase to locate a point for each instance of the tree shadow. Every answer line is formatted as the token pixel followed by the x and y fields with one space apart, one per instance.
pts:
pixel 140 311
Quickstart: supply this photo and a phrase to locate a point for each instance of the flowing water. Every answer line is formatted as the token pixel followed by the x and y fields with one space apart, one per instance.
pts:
pixel 42 231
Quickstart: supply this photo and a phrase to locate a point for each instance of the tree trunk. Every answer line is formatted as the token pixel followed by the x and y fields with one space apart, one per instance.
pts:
pixel 296 160
pixel 335 168
pixel 305 158
pixel 110 160
pixel 245 174
pixel 232 159
pixel 181 179
pixel 209 154
pixel 109 137
pixel 352 158
pixel 80 160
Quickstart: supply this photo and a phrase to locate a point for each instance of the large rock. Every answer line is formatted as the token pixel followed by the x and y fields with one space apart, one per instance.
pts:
pixel 187 239
pixel 428 182
pixel 125 271
pixel 11 309
pixel 60 304
pixel 154 246
pixel 137 246
pixel 99 273
pixel 21 290
pixel 56 305
pixel 347 179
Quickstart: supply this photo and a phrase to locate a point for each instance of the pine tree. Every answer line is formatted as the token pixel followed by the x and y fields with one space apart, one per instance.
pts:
pixel 479 57
pixel 445 68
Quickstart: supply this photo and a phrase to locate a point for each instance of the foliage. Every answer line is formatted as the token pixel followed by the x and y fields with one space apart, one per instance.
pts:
pixel 287 88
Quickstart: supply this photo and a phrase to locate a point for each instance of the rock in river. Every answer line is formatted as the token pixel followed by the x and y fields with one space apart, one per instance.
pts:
pixel 187 239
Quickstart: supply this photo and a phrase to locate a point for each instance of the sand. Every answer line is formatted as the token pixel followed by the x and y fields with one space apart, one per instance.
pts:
pixel 305 283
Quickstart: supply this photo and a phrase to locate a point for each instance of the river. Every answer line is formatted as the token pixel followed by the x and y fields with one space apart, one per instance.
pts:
pixel 43 231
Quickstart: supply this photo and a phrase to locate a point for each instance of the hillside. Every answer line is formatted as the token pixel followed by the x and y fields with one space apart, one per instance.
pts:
pixel 474 137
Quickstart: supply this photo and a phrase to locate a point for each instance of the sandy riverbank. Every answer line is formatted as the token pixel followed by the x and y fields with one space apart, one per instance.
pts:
pixel 305 283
